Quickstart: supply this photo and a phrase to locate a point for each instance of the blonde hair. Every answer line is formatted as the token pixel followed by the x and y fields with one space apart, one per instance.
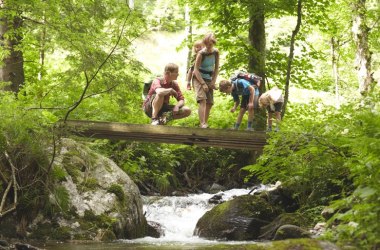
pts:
pixel 210 37
pixel 264 100
pixel 196 44
pixel 224 85
pixel 171 68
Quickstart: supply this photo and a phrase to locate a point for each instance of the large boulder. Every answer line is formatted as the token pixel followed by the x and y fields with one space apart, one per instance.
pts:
pixel 237 219
pixel 92 199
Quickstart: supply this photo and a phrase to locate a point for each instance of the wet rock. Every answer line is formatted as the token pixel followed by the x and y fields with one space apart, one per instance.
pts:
pixel 237 219
pixel 268 232
pixel 215 188
pixel 155 230
pixel 23 246
pixel 4 243
pixel 319 229
pixel 281 196
pixel 216 199
pixel 327 213
pixel 290 232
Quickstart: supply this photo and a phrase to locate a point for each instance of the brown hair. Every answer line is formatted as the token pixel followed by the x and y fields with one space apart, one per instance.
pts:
pixel 171 67
pixel 209 37
pixel 224 85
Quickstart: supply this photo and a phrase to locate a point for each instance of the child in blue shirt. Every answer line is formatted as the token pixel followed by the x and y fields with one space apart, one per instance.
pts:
pixel 246 87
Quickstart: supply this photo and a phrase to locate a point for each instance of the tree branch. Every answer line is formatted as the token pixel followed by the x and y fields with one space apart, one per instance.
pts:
pixel 88 81
pixel 12 181
pixel 291 54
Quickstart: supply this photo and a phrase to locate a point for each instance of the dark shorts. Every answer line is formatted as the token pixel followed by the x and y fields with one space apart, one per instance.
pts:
pixel 244 101
pixel 148 107
pixel 277 107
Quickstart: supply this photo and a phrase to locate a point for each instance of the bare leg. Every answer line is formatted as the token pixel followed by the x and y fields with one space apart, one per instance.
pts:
pixel 278 120
pixel 157 103
pixel 240 115
pixel 183 112
pixel 269 120
pixel 207 112
pixel 250 114
pixel 202 112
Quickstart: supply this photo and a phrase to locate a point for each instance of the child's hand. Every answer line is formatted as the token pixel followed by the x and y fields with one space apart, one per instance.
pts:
pixel 174 93
pixel 205 87
pixel 188 87
pixel 213 86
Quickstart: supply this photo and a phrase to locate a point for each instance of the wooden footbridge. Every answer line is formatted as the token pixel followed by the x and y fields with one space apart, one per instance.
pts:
pixel 250 140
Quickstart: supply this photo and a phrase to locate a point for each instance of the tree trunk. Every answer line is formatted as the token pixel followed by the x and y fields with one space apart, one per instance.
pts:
pixel 42 50
pixel 189 35
pixel 256 61
pixel 131 4
pixel 363 55
pixel 291 54
pixel 13 68
pixel 335 68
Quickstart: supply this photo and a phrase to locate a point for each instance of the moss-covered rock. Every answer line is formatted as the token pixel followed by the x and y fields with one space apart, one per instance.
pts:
pixel 237 219
pixel 267 232
pixel 290 232
pixel 98 197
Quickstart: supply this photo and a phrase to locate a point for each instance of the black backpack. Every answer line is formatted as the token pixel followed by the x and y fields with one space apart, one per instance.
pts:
pixel 148 84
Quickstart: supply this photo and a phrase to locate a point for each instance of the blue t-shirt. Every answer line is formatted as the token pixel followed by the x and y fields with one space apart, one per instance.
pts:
pixel 207 64
pixel 242 88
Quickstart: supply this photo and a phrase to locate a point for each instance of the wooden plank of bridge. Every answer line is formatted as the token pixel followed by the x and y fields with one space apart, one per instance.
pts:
pixel 251 140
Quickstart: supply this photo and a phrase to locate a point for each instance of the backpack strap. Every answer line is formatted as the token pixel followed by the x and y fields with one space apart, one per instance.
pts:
pixel 204 54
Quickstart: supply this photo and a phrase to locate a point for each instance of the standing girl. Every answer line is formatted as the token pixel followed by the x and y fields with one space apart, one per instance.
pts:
pixel 206 70
pixel 197 46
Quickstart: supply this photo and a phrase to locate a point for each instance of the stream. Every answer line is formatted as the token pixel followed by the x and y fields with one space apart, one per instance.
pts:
pixel 178 216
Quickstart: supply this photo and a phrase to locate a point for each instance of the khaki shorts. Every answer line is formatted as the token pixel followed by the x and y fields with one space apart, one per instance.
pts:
pixel 148 107
pixel 200 94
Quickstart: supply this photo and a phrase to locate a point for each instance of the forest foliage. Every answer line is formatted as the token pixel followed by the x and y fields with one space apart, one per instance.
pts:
pixel 79 63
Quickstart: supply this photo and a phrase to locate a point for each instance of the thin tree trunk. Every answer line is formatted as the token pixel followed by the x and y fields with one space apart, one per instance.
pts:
pixel 131 4
pixel 256 63
pixel 42 49
pixel 189 33
pixel 360 32
pixel 13 69
pixel 335 68
pixel 291 54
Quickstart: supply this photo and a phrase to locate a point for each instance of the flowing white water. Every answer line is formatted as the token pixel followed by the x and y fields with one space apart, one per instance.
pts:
pixel 178 215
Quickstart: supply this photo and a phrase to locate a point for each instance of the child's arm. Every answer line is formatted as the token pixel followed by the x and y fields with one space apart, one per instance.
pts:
pixel 189 76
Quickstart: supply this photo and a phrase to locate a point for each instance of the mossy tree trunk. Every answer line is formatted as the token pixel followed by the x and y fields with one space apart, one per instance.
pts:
pixel 363 60
pixel 12 70
pixel 256 62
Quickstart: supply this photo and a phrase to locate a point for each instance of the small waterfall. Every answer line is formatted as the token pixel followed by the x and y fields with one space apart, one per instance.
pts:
pixel 178 215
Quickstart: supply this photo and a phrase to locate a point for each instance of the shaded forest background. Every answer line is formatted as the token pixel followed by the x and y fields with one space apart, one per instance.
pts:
pixel 78 60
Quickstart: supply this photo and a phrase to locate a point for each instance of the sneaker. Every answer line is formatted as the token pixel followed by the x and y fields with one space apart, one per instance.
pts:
pixel 249 129
pixel 269 129
pixel 155 122
pixel 205 125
